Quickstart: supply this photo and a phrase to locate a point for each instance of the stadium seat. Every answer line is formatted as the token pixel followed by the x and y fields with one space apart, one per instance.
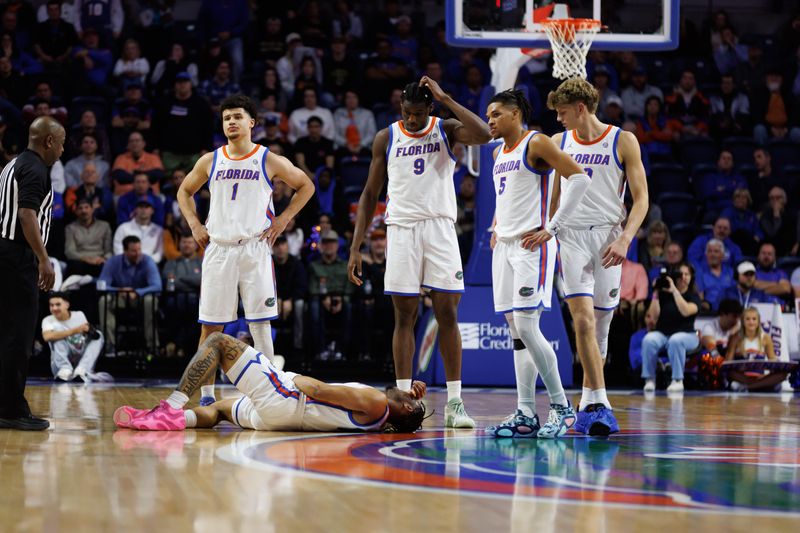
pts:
pixel 677 208
pixel 742 149
pixel 683 234
pixel 698 152
pixel 353 174
pixel 788 264
pixel 783 153
pixel 666 177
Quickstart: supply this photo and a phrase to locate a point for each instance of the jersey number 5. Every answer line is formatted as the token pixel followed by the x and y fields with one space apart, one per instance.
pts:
pixel 419 166
pixel 502 188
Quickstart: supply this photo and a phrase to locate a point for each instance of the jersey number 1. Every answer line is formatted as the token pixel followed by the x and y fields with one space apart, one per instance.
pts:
pixel 235 190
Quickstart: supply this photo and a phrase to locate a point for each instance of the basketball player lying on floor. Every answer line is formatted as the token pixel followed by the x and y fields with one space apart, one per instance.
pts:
pixel 274 400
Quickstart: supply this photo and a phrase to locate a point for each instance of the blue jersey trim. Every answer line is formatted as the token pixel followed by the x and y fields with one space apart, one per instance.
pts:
pixel 525 157
pixel 614 150
pixel 564 139
pixel 375 422
pixel 251 320
pixel 503 312
pixel 577 294
pixel 213 167
pixel 264 168
pixel 540 305
pixel 401 293
pixel 606 308
pixel 443 290
pixel 255 360
pixel 236 411
pixel 444 140
pixel 215 323
pixel 391 140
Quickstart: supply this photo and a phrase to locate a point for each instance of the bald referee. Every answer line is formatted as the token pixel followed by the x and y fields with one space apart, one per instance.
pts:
pixel 26 201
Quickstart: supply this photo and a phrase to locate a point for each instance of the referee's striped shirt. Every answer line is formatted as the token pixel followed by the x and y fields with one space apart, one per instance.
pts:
pixel 25 182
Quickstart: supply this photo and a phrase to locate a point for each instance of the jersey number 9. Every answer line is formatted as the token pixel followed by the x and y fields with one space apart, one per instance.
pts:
pixel 419 166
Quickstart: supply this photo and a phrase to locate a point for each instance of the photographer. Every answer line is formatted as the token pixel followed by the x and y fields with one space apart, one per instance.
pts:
pixel 74 343
pixel 674 305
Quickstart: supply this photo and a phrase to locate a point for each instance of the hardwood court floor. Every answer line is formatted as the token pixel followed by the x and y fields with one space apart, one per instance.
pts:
pixel 708 463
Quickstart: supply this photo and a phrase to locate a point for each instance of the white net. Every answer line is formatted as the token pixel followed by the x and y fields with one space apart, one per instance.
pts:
pixel 570 40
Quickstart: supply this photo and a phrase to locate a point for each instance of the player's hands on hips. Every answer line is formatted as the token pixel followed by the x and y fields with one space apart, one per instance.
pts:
pixel 532 239
pixel 436 91
pixel 493 240
pixel 276 228
pixel 616 252
pixel 47 275
pixel 418 389
pixel 354 268
pixel 200 234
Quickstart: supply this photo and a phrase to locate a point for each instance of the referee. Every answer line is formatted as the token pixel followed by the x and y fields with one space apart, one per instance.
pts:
pixel 26 200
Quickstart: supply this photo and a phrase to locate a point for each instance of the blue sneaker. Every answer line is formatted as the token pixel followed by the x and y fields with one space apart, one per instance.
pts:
pixel 560 419
pixel 207 400
pixel 596 421
pixel 517 425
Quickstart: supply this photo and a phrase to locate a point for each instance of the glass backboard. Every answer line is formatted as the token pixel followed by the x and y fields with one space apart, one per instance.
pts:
pixel 627 24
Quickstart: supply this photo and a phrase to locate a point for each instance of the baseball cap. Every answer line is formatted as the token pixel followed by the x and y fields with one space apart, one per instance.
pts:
pixel 601 69
pixel 616 100
pixel 639 71
pixel 270 120
pixel 294 36
pixel 183 76
pixel 144 203
pixel 280 238
pixel 745 267
pixel 329 235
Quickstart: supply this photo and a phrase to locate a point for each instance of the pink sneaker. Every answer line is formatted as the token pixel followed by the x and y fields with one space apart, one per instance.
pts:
pixel 161 418
pixel 125 414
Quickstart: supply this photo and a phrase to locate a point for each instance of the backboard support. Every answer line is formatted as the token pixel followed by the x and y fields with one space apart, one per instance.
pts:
pixel 639 25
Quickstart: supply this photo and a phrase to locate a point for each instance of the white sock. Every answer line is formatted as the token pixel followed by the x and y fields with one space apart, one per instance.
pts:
pixel 543 354
pixel 602 321
pixel 526 374
pixel 453 390
pixel 524 371
pixel 177 399
pixel 599 396
pixel 262 338
pixel 586 398
pixel 207 391
pixel 404 384
pixel 191 418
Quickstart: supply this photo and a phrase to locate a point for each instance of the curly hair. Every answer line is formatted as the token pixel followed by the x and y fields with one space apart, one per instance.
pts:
pixel 414 93
pixel 407 423
pixel 573 91
pixel 239 101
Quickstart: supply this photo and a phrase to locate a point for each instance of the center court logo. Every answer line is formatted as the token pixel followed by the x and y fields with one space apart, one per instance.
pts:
pixel 488 336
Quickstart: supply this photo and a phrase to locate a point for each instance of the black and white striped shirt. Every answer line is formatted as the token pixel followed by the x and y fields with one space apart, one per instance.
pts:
pixel 25 182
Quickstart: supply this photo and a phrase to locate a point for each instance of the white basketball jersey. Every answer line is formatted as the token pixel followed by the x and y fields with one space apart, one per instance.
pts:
pixel 420 168
pixel 323 416
pixel 241 196
pixel 522 192
pixel 603 203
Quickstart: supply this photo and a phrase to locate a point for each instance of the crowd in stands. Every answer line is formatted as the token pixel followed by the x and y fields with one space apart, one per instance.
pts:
pixel 138 91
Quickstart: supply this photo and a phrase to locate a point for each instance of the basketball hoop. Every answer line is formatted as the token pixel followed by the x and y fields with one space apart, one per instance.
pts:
pixel 570 40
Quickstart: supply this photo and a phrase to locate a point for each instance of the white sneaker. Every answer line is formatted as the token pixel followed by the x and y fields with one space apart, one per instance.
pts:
pixel 650 385
pixel 786 386
pixel 278 361
pixel 81 373
pixel 65 374
pixel 455 416
pixel 675 386
pixel 737 387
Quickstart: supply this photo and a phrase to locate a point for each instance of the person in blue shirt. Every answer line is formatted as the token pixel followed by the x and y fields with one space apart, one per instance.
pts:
pixel 141 191
pixel 716 189
pixel 745 291
pixel 131 280
pixel 745 227
pixel 772 280
pixel 722 232
pixel 714 277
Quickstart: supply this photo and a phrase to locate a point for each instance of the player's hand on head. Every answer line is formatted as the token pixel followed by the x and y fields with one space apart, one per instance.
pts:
pixel 354 268
pixel 418 389
pixel 47 275
pixel 436 91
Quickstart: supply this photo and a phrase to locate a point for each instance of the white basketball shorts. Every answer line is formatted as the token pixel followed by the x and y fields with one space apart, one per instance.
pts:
pixel 522 280
pixel 425 254
pixel 582 266
pixel 233 269
pixel 270 400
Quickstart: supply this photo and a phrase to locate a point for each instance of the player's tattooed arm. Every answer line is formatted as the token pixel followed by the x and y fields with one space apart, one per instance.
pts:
pixel 202 367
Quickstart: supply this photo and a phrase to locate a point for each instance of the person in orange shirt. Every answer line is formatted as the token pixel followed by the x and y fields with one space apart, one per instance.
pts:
pixel 134 161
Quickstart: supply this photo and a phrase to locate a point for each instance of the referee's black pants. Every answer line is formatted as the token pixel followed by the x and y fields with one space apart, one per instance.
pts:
pixel 19 308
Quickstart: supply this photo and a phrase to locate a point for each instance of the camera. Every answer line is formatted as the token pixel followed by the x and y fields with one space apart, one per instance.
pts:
pixel 661 283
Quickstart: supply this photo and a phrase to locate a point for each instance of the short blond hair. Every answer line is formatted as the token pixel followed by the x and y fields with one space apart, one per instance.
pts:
pixel 573 91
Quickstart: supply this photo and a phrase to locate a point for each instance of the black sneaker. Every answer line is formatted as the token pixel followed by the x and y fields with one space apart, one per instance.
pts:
pixel 25 423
